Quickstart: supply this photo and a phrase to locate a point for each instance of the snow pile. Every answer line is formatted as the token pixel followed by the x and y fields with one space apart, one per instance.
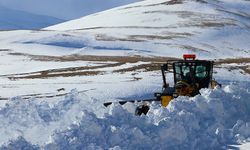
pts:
pixel 215 119
pixel 35 121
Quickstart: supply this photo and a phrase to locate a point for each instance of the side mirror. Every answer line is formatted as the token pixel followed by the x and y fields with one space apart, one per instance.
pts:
pixel 164 67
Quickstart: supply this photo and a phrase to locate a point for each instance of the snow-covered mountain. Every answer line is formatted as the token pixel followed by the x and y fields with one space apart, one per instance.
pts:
pixel 63 9
pixel 13 19
pixel 167 14
pixel 168 28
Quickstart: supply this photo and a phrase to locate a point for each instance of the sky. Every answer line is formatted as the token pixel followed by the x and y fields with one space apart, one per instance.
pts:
pixel 63 9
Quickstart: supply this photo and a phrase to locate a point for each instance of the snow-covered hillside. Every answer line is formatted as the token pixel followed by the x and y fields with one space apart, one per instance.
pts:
pixel 13 19
pixel 168 28
pixel 53 82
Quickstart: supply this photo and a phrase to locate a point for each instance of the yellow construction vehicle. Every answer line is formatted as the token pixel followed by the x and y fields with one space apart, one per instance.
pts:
pixel 190 75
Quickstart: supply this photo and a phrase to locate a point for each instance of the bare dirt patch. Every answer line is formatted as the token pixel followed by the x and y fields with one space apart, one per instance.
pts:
pixel 143 67
pixel 171 2
pixel 245 68
pixel 53 75
pixel 141 38
pixel 104 37
pixel 58 71
pixel 5 50
pixel 153 65
pixel 233 60
pixel 121 59
pixel 124 27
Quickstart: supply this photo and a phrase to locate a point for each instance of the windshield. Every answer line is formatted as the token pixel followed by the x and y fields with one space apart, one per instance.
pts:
pixel 190 72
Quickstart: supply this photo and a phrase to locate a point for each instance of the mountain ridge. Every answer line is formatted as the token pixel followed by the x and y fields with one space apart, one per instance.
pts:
pixel 11 19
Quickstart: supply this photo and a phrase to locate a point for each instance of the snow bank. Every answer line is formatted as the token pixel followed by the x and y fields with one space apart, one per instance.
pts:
pixel 213 120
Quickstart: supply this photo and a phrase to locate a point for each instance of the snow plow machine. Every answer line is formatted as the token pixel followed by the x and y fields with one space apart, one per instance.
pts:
pixel 190 75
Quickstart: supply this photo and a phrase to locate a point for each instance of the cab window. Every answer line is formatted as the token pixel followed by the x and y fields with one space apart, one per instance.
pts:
pixel 201 71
